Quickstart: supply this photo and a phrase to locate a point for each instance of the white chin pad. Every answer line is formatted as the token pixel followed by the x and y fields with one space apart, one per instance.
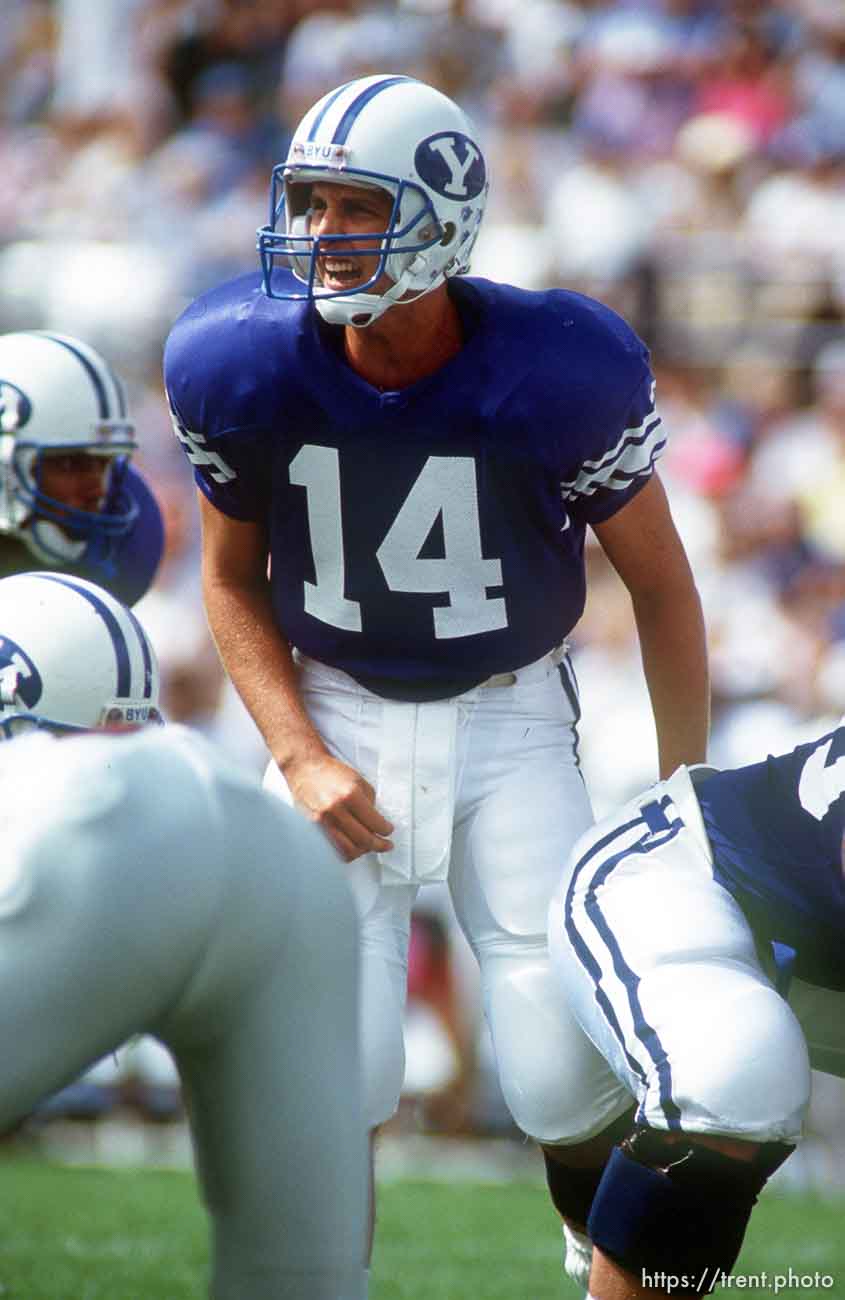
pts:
pixel 300 262
pixel 357 309
pixel 48 541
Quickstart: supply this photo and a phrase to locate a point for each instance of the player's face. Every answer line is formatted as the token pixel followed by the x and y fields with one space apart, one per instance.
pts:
pixel 354 211
pixel 75 478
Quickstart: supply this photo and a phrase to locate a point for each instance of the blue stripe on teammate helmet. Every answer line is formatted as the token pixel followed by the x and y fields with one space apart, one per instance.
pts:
pixel 121 649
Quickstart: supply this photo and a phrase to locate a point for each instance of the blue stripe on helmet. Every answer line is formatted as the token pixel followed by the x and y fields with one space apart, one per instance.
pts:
pixel 145 652
pixel 330 99
pixel 102 398
pixel 121 649
pixel 349 118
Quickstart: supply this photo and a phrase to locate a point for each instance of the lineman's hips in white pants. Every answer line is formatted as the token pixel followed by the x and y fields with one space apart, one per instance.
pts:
pixel 661 969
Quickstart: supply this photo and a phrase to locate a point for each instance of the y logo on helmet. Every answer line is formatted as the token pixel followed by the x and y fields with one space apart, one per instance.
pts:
pixel 19 678
pixel 451 165
pixel 15 407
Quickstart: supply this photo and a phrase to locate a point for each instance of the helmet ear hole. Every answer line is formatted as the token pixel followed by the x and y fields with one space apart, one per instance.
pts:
pixel 449 232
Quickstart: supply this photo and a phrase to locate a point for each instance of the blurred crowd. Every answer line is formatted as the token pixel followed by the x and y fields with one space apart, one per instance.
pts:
pixel 683 160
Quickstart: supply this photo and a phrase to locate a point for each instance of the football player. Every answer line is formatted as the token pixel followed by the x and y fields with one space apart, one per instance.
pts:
pixel 69 498
pixel 147 887
pixel 419 454
pixel 700 939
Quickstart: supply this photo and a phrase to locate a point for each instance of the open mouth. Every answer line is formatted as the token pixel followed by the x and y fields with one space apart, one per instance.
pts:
pixel 341 273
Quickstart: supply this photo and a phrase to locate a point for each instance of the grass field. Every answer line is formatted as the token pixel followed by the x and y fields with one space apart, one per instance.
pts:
pixel 99 1234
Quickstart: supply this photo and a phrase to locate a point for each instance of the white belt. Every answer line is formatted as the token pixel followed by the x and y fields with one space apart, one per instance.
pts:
pixel 535 671
pixel 531 672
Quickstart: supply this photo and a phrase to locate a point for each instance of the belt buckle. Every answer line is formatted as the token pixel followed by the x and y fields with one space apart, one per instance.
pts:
pixel 500 679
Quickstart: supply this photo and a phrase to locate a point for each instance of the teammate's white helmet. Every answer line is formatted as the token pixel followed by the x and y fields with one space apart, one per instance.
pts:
pixel 57 393
pixel 406 138
pixel 71 658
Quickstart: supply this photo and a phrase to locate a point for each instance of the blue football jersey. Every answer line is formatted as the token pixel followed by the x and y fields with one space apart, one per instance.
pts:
pixel 420 539
pixel 776 829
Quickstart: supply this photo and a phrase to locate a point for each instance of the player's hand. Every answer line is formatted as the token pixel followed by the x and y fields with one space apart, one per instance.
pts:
pixel 342 803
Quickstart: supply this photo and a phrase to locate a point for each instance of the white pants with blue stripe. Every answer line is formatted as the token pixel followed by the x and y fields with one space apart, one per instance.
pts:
pixel 660 968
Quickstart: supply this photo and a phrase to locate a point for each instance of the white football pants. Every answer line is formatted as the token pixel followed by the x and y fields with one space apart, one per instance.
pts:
pixel 661 969
pixel 485 792
pixel 150 889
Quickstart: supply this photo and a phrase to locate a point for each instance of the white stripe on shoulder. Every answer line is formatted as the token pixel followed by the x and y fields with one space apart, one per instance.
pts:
pixel 632 457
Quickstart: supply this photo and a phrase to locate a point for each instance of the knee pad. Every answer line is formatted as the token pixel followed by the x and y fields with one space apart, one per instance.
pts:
pixel 677 1210
pixel 572 1188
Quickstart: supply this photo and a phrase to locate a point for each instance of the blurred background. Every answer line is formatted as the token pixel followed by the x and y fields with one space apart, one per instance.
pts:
pixel 683 160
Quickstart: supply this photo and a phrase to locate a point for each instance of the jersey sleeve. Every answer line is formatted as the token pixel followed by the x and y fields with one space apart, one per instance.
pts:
pixel 205 360
pixel 222 469
pixel 623 460
pixel 821 784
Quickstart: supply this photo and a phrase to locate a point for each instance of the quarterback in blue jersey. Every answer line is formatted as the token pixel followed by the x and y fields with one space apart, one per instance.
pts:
pixel 699 937
pixel 418 455
pixel 69 499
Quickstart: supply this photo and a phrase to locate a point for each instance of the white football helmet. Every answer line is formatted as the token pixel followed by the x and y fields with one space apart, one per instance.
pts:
pixel 71 658
pixel 57 393
pixel 401 136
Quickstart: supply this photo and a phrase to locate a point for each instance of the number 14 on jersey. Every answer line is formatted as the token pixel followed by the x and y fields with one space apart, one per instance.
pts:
pixel 446 488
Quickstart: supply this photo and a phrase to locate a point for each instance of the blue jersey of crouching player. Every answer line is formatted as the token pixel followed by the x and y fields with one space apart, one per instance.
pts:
pixel 776 830
pixel 126 565
pixel 426 538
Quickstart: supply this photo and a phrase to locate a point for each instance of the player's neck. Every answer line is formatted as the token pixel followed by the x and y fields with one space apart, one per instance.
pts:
pixel 408 343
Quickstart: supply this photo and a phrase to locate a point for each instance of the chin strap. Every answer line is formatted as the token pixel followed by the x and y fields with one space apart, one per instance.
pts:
pixel 50 544
pixel 361 309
